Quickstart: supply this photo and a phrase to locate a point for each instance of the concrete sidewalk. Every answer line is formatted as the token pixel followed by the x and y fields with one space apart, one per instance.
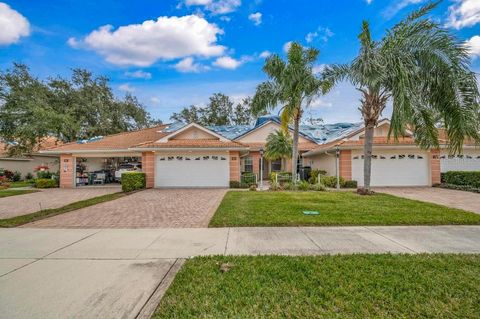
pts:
pixel 111 273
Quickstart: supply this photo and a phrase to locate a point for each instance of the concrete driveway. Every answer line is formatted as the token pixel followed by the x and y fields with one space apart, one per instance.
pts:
pixel 49 198
pixel 122 273
pixel 152 208
pixel 448 197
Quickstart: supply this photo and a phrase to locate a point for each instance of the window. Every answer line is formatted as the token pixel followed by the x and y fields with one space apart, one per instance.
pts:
pixel 248 164
pixel 277 165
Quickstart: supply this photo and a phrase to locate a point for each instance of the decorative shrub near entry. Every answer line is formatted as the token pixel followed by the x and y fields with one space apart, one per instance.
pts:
pixel 132 181
pixel 45 183
pixel 463 178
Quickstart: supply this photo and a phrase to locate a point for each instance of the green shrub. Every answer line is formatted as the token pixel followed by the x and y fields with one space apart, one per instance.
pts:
pixel 44 174
pixel 29 176
pixel 331 181
pixel 290 186
pixel 45 183
pixel 17 176
pixel 318 187
pixel 274 186
pixel 463 178
pixel 234 184
pixel 314 175
pixel 248 178
pixel 350 184
pixel 132 181
pixel 283 177
pixel 459 187
pixel 303 186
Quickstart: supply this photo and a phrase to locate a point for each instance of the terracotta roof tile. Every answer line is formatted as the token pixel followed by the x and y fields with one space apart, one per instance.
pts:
pixel 116 141
pixel 200 143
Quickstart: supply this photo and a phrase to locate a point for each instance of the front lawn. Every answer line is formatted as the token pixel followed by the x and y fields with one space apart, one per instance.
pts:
pixel 14 192
pixel 22 184
pixel 336 208
pixel 348 286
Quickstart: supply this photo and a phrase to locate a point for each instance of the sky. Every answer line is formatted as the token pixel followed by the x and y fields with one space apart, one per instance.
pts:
pixel 175 53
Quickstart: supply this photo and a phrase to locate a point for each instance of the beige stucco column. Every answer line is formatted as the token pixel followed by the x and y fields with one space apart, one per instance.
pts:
pixel 345 164
pixel 67 171
pixel 148 167
pixel 234 166
pixel 435 167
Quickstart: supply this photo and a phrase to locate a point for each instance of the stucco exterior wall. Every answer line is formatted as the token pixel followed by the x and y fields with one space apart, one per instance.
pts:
pixel 67 171
pixel 148 167
pixel 28 166
pixel 235 166
pixel 322 161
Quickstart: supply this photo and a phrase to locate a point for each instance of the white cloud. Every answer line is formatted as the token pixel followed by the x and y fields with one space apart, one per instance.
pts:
pixel 464 13
pixel 319 102
pixel 474 46
pixel 226 62
pixel 73 42
pixel 369 1
pixel 317 69
pixel 139 74
pixel 287 46
pixel 167 38
pixel 396 6
pixel 154 100
pixel 216 6
pixel 126 88
pixel 256 18
pixel 322 33
pixel 187 65
pixel 265 54
pixel 13 25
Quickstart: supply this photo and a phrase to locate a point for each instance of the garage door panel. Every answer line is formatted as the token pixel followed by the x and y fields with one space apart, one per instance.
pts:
pixel 468 161
pixel 394 168
pixel 184 170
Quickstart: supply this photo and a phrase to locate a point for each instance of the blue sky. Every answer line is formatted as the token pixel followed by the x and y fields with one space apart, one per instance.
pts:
pixel 173 53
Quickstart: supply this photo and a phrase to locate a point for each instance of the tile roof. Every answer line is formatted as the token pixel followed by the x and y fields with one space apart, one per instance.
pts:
pixel 306 146
pixel 200 143
pixel 378 141
pixel 116 141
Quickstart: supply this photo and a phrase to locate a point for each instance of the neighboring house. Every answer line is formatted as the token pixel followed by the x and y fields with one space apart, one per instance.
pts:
pixel 28 163
pixel 179 155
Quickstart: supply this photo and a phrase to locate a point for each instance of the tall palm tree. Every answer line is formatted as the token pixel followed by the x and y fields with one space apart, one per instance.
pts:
pixel 279 145
pixel 423 70
pixel 292 85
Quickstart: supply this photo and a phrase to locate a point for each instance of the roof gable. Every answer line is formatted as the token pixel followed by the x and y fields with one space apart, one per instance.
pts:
pixel 259 134
pixel 193 131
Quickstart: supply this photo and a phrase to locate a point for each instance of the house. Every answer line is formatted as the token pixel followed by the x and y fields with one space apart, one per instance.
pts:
pixel 191 155
pixel 30 162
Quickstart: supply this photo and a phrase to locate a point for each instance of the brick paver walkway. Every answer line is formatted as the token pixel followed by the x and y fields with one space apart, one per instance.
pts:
pixel 153 208
pixel 49 198
pixel 448 197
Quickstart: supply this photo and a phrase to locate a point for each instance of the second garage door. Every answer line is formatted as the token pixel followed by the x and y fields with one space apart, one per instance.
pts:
pixel 394 168
pixel 184 170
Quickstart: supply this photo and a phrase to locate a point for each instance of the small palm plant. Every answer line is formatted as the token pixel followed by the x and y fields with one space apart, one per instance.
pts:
pixel 423 70
pixel 279 145
pixel 292 85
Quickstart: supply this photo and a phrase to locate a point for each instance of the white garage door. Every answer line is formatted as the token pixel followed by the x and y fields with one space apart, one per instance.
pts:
pixel 468 161
pixel 394 168
pixel 206 170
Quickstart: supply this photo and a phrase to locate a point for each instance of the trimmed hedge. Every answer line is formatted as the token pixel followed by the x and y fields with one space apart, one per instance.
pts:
pixel 463 178
pixel 459 187
pixel 132 181
pixel 45 183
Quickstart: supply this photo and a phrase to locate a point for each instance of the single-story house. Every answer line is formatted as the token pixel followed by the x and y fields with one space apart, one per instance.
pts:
pixel 29 163
pixel 192 155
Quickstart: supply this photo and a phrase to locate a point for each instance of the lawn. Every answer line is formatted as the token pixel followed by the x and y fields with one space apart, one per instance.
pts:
pixel 24 219
pixel 14 192
pixel 22 184
pixel 336 208
pixel 348 286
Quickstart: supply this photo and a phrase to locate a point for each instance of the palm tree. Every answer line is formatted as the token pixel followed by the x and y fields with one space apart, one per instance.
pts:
pixel 292 85
pixel 279 145
pixel 423 70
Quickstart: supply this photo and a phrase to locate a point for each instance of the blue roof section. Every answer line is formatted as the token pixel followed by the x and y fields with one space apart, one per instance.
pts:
pixel 321 133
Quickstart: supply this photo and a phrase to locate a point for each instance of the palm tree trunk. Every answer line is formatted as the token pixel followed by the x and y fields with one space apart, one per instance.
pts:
pixel 296 130
pixel 367 152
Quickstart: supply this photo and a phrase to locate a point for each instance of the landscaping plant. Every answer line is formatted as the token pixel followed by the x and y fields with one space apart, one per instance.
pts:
pixel 423 69
pixel 132 181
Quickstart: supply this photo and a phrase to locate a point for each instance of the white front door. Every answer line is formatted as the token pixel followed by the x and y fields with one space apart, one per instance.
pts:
pixel 186 170
pixel 394 168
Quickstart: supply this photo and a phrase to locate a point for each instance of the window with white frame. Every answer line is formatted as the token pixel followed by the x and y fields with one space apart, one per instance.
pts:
pixel 248 164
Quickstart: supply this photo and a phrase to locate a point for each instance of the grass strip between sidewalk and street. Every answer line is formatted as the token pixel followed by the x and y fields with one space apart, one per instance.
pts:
pixel 338 286
pixel 24 219
pixel 239 209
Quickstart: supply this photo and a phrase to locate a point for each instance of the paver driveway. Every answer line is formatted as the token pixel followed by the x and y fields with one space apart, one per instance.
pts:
pixel 49 198
pixel 448 197
pixel 152 208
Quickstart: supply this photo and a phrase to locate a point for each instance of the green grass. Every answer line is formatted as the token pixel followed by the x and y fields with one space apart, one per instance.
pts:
pixel 348 286
pixel 336 208
pixel 24 219
pixel 14 192
pixel 22 184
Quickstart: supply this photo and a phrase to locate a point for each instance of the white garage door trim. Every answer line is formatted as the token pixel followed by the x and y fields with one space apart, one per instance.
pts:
pixel 394 168
pixel 187 170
